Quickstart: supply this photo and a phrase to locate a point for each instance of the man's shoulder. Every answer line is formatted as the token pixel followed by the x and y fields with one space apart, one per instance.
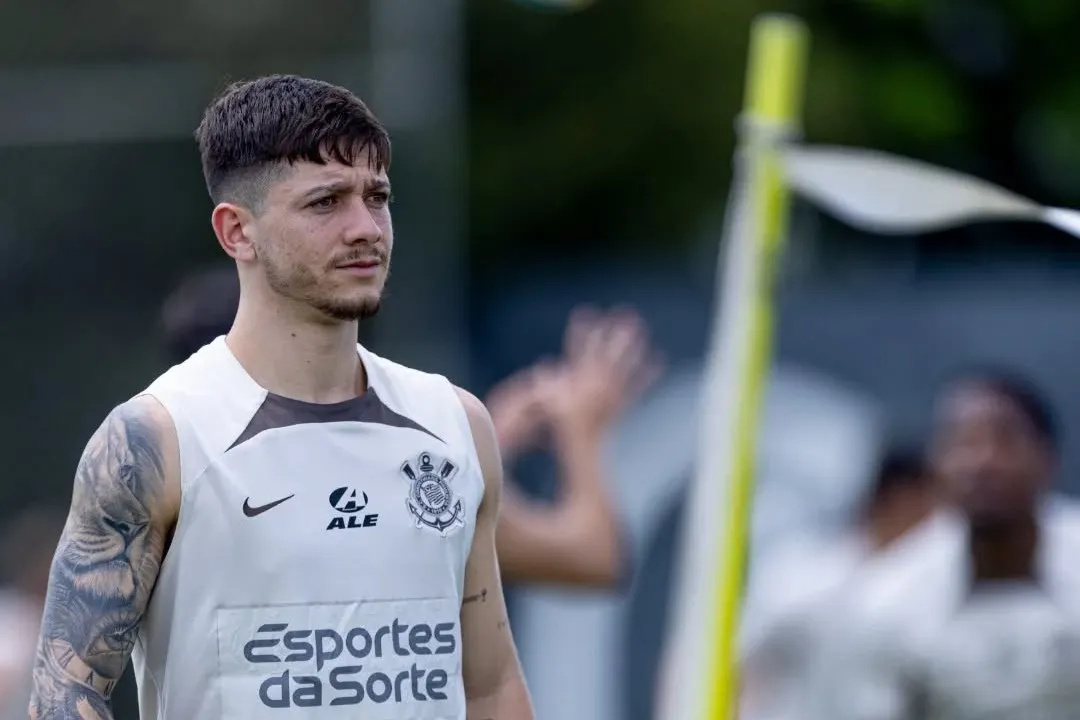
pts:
pixel 916 579
pixel 143 418
pixel 403 384
pixel 804 564
pixel 475 410
pixel 133 453
pixel 209 377
pixel 791 584
pixel 383 366
pixel 433 399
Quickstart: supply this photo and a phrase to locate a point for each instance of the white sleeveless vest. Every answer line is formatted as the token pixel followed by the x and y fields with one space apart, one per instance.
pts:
pixel 318 562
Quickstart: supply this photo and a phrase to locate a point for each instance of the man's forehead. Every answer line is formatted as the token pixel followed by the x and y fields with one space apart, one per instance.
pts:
pixel 306 175
pixel 972 401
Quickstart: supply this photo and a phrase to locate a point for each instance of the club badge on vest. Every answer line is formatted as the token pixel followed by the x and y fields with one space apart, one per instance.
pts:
pixel 431 499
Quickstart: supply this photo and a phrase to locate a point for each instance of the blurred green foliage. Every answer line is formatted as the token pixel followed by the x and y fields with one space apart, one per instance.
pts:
pixel 613 127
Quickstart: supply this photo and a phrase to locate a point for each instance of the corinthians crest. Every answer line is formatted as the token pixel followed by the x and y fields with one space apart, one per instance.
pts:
pixel 431 500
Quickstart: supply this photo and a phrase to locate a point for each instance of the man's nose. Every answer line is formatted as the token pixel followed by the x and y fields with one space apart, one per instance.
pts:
pixel 363 228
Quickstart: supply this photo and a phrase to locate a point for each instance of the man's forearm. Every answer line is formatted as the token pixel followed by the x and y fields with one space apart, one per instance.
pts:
pixel 58 694
pixel 585 509
pixel 578 452
pixel 509 702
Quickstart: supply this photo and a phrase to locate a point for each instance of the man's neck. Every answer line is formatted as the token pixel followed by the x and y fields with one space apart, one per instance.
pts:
pixel 1005 551
pixel 290 352
pixel 884 526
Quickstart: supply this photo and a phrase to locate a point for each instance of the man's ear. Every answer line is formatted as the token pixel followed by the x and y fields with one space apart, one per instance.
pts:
pixel 233 227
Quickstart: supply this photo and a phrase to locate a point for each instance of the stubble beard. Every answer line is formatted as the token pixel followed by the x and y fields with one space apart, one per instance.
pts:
pixel 301 285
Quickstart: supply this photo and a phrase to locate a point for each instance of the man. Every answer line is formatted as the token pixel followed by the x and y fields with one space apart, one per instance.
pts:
pixel 793 595
pixel 572 404
pixel 980 619
pixel 575 540
pixel 287 524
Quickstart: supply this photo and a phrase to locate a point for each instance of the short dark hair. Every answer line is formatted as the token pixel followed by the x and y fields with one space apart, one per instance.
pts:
pixel 257 125
pixel 1020 392
pixel 901 465
pixel 201 308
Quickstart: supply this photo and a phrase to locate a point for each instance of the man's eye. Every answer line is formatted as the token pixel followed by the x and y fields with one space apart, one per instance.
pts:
pixel 380 198
pixel 324 203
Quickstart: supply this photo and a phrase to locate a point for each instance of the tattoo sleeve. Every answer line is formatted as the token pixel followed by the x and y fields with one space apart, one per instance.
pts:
pixel 104 568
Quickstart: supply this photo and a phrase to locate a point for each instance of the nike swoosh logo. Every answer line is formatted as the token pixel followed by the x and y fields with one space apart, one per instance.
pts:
pixel 253 511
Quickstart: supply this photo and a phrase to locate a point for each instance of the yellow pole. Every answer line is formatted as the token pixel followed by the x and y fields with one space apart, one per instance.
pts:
pixel 773 105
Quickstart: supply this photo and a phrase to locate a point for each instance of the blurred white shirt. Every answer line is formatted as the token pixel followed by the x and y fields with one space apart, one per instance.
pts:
pixel 795 597
pixel 788 593
pixel 916 642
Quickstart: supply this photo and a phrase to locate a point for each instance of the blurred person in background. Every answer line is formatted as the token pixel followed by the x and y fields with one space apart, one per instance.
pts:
pixel 797 590
pixel 199 310
pixel 980 619
pixel 310 494
pixel 568 404
pixel 27 546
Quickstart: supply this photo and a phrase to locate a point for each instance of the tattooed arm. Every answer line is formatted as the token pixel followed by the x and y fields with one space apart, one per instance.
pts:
pixel 494 686
pixel 123 506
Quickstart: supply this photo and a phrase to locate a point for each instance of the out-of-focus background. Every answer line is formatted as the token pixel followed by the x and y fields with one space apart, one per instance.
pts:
pixel 546 156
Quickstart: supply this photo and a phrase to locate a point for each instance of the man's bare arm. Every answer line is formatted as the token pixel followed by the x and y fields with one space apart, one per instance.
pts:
pixel 123 505
pixel 494 685
pixel 576 540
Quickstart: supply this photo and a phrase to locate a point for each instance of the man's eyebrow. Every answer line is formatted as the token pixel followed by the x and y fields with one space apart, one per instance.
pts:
pixel 331 188
pixel 338 187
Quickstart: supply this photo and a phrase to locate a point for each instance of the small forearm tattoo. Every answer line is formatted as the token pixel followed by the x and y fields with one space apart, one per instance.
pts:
pixel 478 597
pixel 103 571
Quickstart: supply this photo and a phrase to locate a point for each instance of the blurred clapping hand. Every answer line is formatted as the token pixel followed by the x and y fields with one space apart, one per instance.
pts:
pixel 606 366
pixel 568 406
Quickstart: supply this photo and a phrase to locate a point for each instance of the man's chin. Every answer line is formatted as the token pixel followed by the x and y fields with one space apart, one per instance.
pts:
pixel 352 310
pixel 988 518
